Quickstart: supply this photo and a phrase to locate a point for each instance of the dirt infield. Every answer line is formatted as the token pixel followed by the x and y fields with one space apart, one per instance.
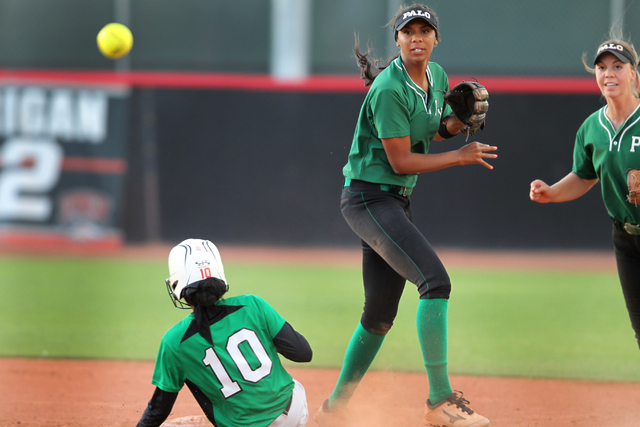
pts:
pixel 82 393
pixel 78 393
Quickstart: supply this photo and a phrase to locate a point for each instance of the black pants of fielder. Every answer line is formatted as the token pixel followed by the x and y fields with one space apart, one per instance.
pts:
pixel 627 250
pixel 393 251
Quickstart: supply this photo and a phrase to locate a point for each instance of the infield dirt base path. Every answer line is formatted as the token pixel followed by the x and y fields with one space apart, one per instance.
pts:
pixel 83 393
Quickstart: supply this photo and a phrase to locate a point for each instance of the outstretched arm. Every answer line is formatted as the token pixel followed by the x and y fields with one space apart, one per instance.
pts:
pixel 404 162
pixel 568 188
pixel 292 345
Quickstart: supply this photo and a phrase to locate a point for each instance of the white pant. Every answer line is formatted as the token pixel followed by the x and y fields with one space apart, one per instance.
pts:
pixel 298 412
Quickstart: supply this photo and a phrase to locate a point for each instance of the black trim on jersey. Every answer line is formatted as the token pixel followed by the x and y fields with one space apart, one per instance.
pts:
pixel 214 314
pixel 292 345
pixel 203 401
pixel 158 409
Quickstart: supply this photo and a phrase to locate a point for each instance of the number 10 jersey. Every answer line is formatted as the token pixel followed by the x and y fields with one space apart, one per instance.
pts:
pixel 241 375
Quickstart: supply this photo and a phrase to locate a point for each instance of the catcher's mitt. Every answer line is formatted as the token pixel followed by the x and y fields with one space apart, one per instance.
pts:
pixel 633 183
pixel 469 102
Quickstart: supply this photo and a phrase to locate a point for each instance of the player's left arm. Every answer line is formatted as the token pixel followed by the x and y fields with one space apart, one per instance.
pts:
pixel 450 126
pixel 158 409
pixel 403 161
pixel 292 345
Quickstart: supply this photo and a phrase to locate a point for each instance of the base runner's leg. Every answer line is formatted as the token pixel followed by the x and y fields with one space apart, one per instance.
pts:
pixel 298 413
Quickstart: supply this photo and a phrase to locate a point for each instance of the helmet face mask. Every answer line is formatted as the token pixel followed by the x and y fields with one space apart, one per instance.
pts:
pixel 191 261
pixel 177 303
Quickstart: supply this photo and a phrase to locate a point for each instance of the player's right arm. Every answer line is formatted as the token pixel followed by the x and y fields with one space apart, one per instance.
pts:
pixel 158 409
pixel 568 188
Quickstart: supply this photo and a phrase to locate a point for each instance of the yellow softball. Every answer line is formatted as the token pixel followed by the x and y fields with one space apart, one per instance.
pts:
pixel 115 40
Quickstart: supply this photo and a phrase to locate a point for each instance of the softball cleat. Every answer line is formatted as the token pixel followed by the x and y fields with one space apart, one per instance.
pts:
pixel 453 412
pixel 326 417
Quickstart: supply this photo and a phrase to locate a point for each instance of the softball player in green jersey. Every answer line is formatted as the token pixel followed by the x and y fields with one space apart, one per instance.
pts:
pixel 607 149
pixel 402 113
pixel 226 351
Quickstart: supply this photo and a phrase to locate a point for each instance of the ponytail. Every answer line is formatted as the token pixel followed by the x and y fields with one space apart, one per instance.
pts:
pixel 203 298
pixel 369 67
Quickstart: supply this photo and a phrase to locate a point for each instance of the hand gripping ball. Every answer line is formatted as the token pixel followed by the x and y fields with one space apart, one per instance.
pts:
pixel 114 40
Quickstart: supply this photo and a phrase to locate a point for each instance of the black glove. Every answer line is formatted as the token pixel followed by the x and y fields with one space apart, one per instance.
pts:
pixel 469 102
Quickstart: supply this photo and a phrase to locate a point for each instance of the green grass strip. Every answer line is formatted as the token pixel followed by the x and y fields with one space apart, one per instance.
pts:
pixel 506 323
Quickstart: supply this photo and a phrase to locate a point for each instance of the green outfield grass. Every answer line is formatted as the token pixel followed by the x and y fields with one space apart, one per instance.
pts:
pixel 506 323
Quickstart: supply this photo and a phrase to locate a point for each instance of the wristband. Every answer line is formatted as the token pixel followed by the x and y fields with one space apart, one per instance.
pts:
pixel 442 130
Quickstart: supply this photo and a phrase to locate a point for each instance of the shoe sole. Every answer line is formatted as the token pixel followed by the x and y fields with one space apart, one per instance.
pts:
pixel 488 424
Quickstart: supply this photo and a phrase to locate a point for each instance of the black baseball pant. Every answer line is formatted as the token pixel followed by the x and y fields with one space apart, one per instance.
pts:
pixel 627 251
pixel 393 251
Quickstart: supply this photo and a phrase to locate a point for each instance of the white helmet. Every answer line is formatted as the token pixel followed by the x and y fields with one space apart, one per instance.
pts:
pixel 190 261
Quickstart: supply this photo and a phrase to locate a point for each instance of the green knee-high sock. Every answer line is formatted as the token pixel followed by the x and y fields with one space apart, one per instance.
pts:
pixel 361 351
pixel 431 322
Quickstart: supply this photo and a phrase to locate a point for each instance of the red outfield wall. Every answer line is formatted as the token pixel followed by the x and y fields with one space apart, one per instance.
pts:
pixel 258 82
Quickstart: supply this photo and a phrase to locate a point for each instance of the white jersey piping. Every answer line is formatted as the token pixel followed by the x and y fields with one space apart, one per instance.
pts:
pixel 423 98
pixel 626 128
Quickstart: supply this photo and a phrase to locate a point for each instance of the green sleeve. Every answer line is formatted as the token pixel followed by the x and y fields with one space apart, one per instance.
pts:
pixel 390 114
pixel 272 319
pixel 446 109
pixel 582 157
pixel 167 374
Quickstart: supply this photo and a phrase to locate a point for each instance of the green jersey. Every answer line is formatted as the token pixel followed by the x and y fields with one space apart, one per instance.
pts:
pixel 241 374
pixel 395 107
pixel 606 153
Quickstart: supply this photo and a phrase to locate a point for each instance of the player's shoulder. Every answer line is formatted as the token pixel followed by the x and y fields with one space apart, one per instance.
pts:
pixel 437 75
pixel 593 128
pixel 597 115
pixel 178 330
pixel 250 303
pixel 247 299
pixel 436 69
pixel 593 120
pixel 392 77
